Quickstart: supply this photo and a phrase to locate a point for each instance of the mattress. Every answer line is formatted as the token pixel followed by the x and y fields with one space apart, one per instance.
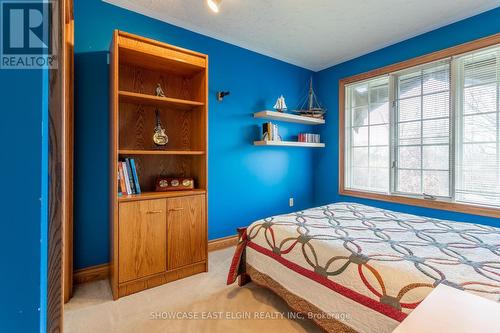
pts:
pixel 371 267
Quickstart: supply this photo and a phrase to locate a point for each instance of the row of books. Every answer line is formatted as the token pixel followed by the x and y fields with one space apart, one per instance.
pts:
pixel 270 132
pixel 127 177
pixel 309 137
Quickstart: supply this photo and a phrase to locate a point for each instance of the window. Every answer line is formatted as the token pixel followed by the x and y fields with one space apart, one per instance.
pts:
pixel 428 132
pixel 368 128
pixel 422 131
pixel 478 134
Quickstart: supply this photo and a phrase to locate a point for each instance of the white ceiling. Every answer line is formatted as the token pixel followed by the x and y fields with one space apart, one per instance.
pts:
pixel 313 34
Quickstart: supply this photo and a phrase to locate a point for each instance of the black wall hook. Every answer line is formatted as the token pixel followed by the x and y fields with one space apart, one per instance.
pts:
pixel 221 95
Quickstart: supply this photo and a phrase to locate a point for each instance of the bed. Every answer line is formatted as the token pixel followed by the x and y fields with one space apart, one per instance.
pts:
pixel 355 268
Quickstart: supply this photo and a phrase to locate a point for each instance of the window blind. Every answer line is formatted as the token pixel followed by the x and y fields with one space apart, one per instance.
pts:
pixel 422 130
pixel 367 135
pixel 478 127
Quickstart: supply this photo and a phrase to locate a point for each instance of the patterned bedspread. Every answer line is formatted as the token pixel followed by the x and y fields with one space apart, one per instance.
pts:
pixel 385 260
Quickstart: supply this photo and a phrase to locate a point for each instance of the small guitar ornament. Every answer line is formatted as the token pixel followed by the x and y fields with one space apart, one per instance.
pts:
pixel 160 138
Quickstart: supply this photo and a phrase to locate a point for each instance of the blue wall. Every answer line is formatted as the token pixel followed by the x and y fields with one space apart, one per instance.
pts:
pixel 252 182
pixel 326 161
pixel 245 182
pixel 23 96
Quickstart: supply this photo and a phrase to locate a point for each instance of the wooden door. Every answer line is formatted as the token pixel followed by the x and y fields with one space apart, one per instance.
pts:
pixel 186 230
pixel 142 239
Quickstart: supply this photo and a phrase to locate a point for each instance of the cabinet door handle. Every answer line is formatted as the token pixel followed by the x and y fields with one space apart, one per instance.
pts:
pixel 175 209
pixel 154 212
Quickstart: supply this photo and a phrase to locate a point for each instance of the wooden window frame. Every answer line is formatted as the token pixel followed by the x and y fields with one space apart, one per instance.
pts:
pixel 435 56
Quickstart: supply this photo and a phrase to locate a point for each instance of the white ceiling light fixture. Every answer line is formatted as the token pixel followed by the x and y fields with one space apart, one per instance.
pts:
pixel 214 5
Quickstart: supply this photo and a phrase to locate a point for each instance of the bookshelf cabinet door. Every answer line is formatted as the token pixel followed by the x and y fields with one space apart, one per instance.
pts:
pixel 186 230
pixel 142 239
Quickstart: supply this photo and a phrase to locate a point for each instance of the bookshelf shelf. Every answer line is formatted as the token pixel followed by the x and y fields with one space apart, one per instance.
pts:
pixel 291 118
pixel 289 144
pixel 159 195
pixel 154 56
pixel 138 98
pixel 159 152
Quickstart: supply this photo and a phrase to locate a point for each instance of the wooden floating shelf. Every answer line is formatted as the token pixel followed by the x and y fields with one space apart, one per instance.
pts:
pixel 159 152
pixel 138 98
pixel 291 118
pixel 289 144
pixel 159 195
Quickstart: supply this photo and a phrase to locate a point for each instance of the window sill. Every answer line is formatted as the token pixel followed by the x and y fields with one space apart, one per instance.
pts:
pixel 442 205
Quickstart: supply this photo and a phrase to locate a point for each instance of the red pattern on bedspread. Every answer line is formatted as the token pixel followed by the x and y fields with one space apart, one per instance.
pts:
pixel 385 260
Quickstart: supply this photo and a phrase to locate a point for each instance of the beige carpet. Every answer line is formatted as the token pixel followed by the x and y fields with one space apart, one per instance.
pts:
pixel 205 295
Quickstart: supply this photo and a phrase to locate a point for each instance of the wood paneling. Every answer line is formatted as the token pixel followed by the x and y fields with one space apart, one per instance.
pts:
pixel 137 123
pixel 137 79
pixel 68 143
pixel 186 243
pixel 90 274
pixel 222 243
pixel 450 206
pixel 342 142
pixel 160 56
pixel 158 195
pixel 100 272
pixel 159 152
pixel 142 239
pixel 60 207
pixel 161 278
pixel 113 142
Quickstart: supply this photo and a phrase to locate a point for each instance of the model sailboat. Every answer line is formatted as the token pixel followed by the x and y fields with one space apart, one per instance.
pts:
pixel 311 107
pixel 280 105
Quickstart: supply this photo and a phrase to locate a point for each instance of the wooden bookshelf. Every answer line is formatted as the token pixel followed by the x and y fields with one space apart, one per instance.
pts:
pixel 288 144
pixel 157 237
pixel 291 118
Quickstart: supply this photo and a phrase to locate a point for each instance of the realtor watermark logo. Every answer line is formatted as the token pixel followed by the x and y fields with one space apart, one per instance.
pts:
pixel 25 35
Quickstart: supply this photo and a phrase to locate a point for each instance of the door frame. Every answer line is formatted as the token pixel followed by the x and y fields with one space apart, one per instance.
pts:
pixel 60 188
